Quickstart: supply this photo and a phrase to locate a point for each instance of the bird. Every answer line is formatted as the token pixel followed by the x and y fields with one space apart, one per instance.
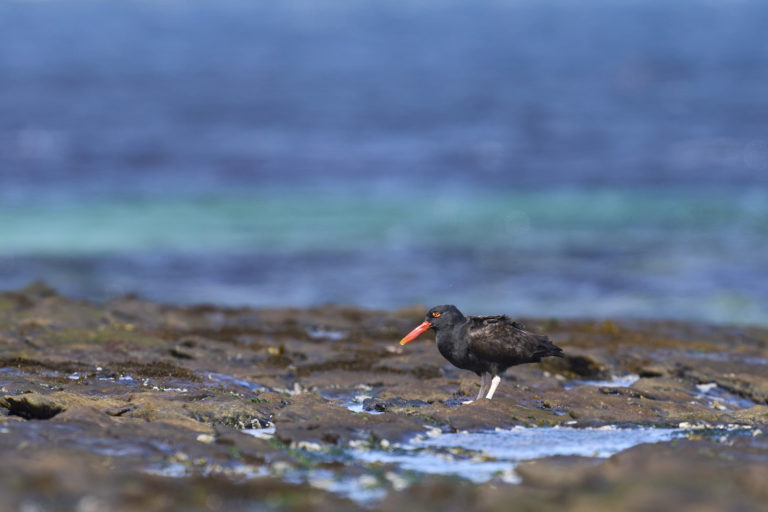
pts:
pixel 486 345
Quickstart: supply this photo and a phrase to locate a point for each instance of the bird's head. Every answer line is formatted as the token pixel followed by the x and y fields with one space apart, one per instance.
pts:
pixel 437 318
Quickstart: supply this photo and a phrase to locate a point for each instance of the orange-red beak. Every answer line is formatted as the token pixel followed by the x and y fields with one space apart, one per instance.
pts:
pixel 416 333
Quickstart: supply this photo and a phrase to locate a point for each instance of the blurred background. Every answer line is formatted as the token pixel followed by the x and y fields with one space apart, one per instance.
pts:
pixel 548 158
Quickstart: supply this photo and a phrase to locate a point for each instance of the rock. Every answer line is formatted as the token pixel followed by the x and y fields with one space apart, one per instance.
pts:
pixel 416 365
pixel 84 416
pixel 31 406
pixel 667 389
pixel 45 406
pixel 558 471
pixel 391 404
pixel 654 370
pixel 309 419
pixel 255 412
pixel 574 365
pixel 130 405
pixel 757 415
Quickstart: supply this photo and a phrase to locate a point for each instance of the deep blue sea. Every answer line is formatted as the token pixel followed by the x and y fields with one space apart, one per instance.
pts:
pixel 548 158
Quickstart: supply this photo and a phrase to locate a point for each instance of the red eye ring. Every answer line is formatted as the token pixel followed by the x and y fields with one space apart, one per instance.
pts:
pixel 436 314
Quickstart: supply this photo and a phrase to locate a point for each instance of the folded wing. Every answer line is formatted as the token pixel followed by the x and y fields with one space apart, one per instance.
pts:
pixel 505 341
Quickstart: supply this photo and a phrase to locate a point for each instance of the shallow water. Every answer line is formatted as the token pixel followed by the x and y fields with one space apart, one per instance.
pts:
pixel 327 334
pixel 184 469
pixel 487 454
pixel 261 433
pixel 614 382
pixel 723 399
pixel 351 399
pixel 358 406
pixel 229 380
pixel 478 457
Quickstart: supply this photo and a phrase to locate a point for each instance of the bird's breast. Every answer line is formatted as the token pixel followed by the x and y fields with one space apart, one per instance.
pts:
pixel 454 346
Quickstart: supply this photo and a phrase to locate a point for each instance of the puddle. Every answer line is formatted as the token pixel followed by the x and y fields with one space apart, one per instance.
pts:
pixel 261 433
pixel 15 372
pixel 128 380
pixel 173 470
pixel 350 401
pixel 623 381
pixel 171 390
pixel 482 456
pixel 326 334
pixel 754 360
pixel 363 489
pixel 189 468
pixel 531 443
pixel 722 399
pixel 358 405
pixel 221 378
pixel 477 457
pixel 125 380
pixel 473 468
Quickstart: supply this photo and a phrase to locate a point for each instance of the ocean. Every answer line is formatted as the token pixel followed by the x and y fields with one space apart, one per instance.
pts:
pixel 551 159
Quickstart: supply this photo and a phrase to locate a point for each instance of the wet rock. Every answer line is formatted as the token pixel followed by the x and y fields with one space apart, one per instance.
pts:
pixel 574 365
pixel 589 405
pixel 148 391
pixel 487 415
pixel 309 419
pixel 84 416
pixel 676 390
pixel 757 415
pixel 391 404
pixel 59 481
pixel 31 406
pixel 558 471
pixel 46 406
pixel 416 365
pixel 753 387
pixel 355 380
pixel 236 412
pixel 154 369
pixel 259 450
pixel 654 370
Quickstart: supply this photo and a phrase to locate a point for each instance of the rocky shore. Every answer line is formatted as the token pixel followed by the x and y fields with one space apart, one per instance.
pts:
pixel 130 405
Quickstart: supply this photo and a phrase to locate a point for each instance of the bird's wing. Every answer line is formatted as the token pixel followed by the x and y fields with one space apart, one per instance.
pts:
pixel 499 338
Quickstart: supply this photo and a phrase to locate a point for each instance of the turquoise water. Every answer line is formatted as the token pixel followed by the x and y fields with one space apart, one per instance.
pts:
pixel 568 252
pixel 602 220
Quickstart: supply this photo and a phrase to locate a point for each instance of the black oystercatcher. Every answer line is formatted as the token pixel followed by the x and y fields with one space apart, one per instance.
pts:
pixel 486 345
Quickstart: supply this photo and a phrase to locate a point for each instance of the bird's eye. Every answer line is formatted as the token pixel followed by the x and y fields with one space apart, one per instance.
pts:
pixel 436 314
